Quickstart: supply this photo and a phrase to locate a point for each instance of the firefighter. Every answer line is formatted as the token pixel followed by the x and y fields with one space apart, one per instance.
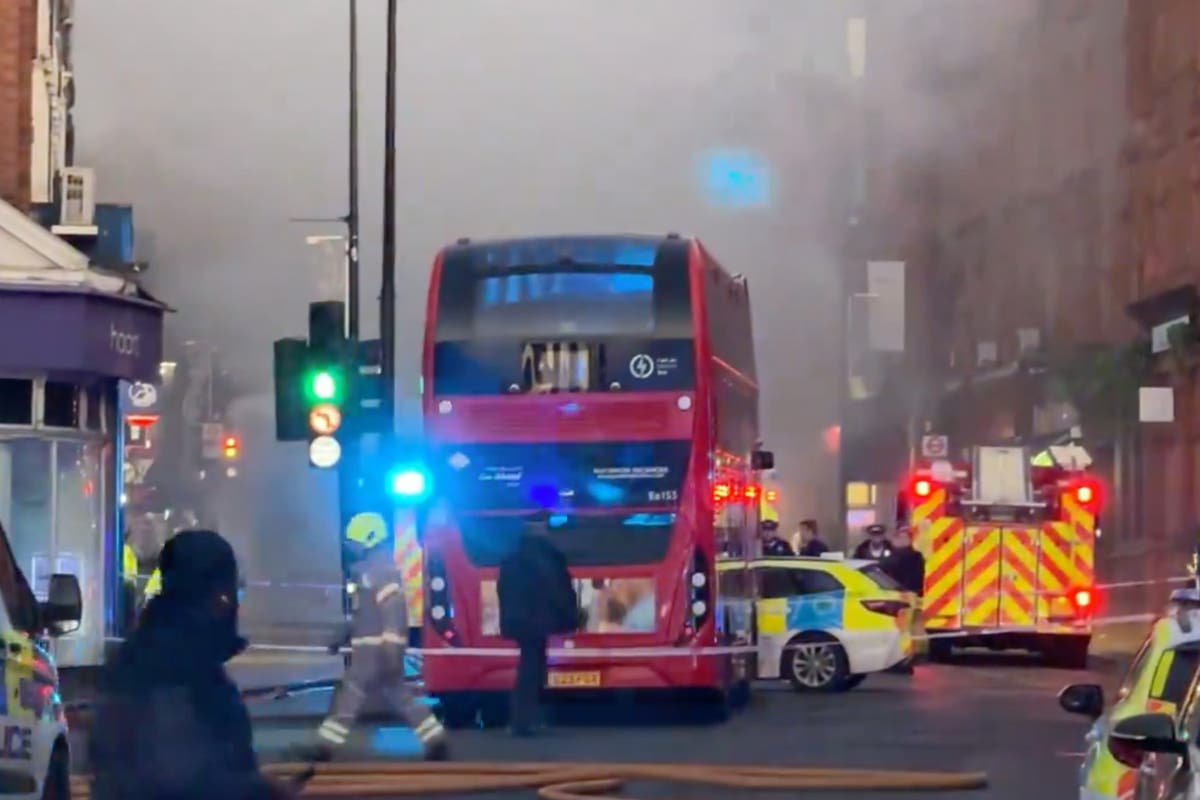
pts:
pixel 876 546
pixel 170 723
pixel 378 639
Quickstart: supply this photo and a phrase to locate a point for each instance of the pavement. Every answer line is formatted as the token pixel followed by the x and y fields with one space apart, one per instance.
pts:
pixel 985 712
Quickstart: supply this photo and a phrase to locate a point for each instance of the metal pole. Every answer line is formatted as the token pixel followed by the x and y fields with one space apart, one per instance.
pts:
pixel 352 291
pixel 387 294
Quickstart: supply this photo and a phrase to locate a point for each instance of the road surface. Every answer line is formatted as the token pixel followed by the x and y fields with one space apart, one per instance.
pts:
pixel 988 713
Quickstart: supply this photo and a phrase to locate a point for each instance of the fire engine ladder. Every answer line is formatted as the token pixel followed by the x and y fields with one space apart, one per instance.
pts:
pixel 1000 576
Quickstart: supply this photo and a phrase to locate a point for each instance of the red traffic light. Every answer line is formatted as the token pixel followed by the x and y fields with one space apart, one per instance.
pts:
pixel 230 447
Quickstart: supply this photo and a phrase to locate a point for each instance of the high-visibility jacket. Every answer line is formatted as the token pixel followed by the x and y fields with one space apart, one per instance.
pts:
pixel 153 584
pixel 129 565
pixel 380 611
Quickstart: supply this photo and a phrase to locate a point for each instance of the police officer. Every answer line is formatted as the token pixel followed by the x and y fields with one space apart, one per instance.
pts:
pixel 876 546
pixel 170 724
pixel 378 638
pixel 774 545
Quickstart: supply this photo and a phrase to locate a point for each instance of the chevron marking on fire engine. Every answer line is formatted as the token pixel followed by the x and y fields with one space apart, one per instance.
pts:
pixel 1083 529
pixel 982 577
pixel 944 574
pixel 1017 596
pixel 1058 569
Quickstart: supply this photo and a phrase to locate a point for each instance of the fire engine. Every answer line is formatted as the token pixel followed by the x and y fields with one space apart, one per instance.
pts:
pixel 1009 546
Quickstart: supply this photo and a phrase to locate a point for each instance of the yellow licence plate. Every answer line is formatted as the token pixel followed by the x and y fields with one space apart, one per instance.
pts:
pixel 564 680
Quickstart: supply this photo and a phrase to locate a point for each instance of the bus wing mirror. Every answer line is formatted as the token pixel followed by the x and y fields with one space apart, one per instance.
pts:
pixel 63 609
pixel 762 460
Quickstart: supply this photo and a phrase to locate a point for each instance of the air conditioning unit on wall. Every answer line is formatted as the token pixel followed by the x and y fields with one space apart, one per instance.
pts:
pixel 77 201
pixel 985 354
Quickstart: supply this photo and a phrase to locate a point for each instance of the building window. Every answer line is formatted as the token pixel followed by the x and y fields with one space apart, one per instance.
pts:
pixel 95 407
pixel 61 405
pixel 16 401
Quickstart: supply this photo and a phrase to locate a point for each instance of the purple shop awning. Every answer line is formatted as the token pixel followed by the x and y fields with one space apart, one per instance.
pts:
pixel 79 330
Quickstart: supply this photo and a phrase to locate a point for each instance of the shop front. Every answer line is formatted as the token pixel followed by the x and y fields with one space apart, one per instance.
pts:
pixel 64 348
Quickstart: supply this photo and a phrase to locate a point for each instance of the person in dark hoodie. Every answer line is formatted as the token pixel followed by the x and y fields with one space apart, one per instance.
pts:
pixel 905 564
pixel 537 599
pixel 811 544
pixel 170 724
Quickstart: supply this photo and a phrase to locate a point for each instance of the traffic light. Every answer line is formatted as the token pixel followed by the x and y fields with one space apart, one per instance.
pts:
pixel 231 447
pixel 325 382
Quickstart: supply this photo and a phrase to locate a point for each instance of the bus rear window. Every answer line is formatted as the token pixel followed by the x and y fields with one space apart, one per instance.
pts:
pixel 558 303
pixel 881 578
pixel 584 540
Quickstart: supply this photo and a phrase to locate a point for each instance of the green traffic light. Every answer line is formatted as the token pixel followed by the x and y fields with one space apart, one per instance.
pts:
pixel 324 385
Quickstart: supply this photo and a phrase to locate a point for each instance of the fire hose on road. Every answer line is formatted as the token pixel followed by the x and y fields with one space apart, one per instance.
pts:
pixel 569 781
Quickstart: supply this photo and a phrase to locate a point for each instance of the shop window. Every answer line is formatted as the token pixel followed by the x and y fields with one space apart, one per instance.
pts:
pixel 78 545
pixel 26 497
pixel 61 405
pixel 16 401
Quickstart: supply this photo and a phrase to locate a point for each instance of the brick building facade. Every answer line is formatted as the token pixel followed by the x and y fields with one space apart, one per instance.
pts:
pixel 18 46
pixel 1051 180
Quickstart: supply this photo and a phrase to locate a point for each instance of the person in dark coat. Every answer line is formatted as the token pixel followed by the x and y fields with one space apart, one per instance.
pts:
pixel 170 724
pixel 810 541
pixel 774 545
pixel 875 547
pixel 537 599
pixel 905 564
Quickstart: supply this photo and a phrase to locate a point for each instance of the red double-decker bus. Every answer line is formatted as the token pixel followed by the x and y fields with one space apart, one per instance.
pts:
pixel 610 379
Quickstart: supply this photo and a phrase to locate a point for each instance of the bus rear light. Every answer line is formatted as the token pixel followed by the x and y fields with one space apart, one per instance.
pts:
pixel 722 491
pixel 441 611
pixel 684 402
pixel 699 598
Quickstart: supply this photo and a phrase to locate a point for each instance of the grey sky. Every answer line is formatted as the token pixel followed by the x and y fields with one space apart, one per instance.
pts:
pixel 220 120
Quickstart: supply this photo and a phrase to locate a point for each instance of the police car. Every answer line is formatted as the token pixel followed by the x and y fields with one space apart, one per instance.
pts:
pixel 34 756
pixel 822 624
pixel 1140 747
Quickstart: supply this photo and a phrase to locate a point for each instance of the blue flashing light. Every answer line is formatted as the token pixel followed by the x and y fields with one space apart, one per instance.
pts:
pixel 605 493
pixel 411 483
pixel 737 179
pixel 649 520
pixel 557 520
pixel 543 495
pixel 611 251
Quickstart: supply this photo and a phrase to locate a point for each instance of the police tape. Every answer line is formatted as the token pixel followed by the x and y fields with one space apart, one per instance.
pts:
pixel 335 587
pixel 667 651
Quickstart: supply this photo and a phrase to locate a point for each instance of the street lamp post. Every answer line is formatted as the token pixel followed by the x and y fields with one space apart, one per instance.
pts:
pixel 387 293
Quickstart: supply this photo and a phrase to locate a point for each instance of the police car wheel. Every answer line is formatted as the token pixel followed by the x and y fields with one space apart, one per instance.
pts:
pixel 57 785
pixel 816 662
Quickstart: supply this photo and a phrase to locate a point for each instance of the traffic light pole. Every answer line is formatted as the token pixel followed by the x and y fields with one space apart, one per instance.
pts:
pixel 352 290
pixel 387 293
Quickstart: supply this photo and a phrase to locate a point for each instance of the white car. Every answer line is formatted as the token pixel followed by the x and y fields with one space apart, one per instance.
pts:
pixel 35 759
